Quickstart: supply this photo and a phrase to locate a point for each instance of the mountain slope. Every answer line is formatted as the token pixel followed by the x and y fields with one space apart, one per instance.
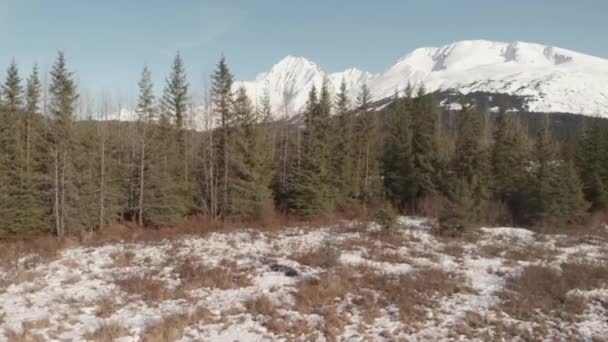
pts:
pixel 550 79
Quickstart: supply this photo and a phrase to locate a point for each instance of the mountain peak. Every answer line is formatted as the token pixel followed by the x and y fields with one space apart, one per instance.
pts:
pixel 550 78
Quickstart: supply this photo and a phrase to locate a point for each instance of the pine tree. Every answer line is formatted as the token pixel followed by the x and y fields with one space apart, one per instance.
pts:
pixel 308 187
pixel 469 167
pixel 174 103
pixel 63 97
pixel 222 100
pixel 34 193
pixel 557 190
pixel 11 176
pixel 592 156
pixel 249 186
pixel 175 96
pixel 368 148
pixel 509 163
pixel 146 118
pixel 344 155
pixel 424 144
pixel 398 160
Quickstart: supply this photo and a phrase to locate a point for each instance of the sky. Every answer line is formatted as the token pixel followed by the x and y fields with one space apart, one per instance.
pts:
pixel 107 42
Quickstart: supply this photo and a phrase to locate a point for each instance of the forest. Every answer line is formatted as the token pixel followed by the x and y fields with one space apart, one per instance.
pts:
pixel 60 174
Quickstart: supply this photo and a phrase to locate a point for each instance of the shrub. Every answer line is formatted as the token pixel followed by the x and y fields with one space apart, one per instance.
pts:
pixel 387 219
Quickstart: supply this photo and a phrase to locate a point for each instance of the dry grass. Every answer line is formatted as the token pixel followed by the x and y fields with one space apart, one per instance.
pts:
pixel 23 336
pixel 225 276
pixel 544 289
pixel 122 259
pixel 325 256
pixel 150 290
pixel 37 324
pixel 285 325
pixel 516 252
pixel 413 293
pixel 106 332
pixel 106 306
pixel 172 327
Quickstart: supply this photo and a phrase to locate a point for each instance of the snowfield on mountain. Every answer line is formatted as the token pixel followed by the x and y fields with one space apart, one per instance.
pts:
pixel 346 282
pixel 551 79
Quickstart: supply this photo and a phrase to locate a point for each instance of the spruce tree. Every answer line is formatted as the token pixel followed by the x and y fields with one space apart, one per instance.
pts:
pixel 308 187
pixel 369 147
pixel 398 160
pixel 509 160
pixel 424 144
pixel 344 155
pixel 556 188
pixel 468 192
pixel 11 175
pixel 249 185
pixel 222 101
pixel 174 103
pixel 146 115
pixel 12 90
pixel 592 157
pixel 63 97
pixel 175 96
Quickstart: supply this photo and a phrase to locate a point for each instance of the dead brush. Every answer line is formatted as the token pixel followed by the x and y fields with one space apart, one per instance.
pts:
pixel 194 276
pixel 106 332
pixel 149 289
pixel 544 289
pixel 325 256
pixel 517 252
pixel 414 292
pixel 23 336
pixel 171 328
pixel 122 259
pixel 106 306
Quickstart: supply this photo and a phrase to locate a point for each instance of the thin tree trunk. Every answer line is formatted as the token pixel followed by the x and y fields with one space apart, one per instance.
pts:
pixel 63 170
pixel 56 207
pixel 102 183
pixel 140 214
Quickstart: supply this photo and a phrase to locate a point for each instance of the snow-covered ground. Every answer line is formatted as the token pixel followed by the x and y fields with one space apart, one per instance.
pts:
pixel 331 283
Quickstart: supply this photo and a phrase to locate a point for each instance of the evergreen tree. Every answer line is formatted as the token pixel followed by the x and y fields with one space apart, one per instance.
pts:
pixel 249 185
pixel 557 191
pixel 12 89
pixel 63 97
pixel 424 144
pixel 509 163
pixel 469 183
pixel 174 103
pixel 222 100
pixel 175 96
pixel 343 158
pixel 11 176
pixel 146 119
pixel 34 192
pixel 308 187
pixel 368 148
pixel 592 157
pixel 398 160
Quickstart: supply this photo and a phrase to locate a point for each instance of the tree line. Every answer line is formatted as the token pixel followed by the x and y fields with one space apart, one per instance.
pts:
pixel 62 175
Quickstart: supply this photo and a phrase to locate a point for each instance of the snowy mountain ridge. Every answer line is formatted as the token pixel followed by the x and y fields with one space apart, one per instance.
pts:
pixel 552 79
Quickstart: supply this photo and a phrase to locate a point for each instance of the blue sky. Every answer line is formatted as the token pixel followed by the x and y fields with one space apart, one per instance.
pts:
pixel 108 41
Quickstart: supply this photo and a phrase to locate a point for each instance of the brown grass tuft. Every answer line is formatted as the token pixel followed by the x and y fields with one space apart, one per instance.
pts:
pixel 226 276
pixel 106 306
pixel 106 332
pixel 325 256
pixel 544 289
pixel 172 327
pixel 149 289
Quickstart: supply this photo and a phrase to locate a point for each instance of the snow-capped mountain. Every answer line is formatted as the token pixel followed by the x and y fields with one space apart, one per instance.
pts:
pixel 550 78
